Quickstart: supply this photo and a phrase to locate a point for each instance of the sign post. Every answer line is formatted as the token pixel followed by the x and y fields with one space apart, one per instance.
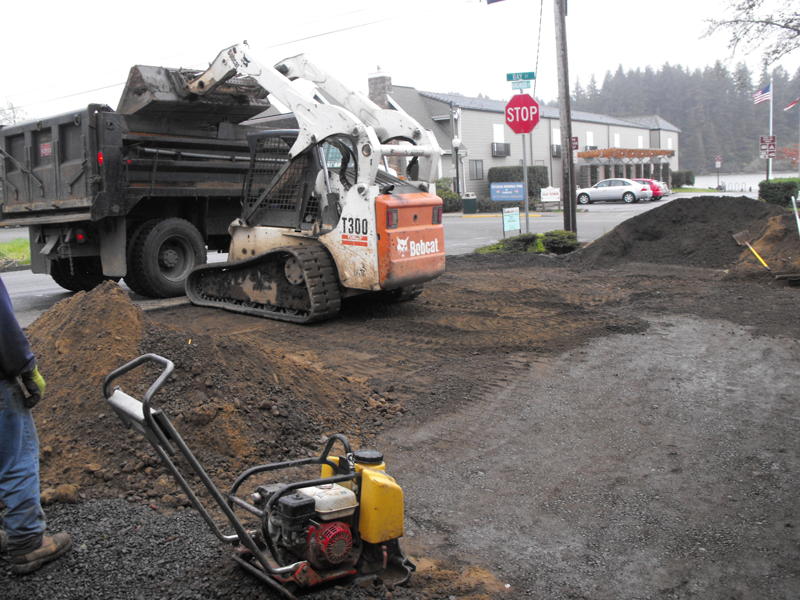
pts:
pixel 522 115
pixel 718 164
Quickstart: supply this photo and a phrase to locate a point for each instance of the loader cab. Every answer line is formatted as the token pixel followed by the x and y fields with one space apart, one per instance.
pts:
pixel 301 193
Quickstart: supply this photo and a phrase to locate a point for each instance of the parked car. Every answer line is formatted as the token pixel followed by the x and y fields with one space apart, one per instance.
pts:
pixel 665 191
pixel 655 187
pixel 627 190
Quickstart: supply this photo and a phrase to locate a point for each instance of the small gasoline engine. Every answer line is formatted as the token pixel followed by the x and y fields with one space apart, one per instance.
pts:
pixel 345 523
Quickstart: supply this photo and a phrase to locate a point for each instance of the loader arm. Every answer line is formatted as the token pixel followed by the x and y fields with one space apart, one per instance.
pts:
pixel 317 120
pixel 388 124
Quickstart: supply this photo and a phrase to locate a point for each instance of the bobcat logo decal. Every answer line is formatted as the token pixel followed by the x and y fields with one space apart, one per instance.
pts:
pixel 402 246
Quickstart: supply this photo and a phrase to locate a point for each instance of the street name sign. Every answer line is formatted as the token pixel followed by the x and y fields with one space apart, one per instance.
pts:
pixel 526 76
pixel 522 113
pixel 520 85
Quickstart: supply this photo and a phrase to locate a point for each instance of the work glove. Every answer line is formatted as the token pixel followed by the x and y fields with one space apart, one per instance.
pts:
pixel 35 385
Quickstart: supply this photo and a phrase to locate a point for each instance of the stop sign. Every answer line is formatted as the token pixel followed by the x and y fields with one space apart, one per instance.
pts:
pixel 522 113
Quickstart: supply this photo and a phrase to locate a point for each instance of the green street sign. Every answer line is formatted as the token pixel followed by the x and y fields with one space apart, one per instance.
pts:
pixel 527 76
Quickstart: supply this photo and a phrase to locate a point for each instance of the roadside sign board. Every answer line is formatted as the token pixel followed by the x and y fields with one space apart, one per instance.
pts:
pixel 511 219
pixel 520 85
pixel 767 146
pixel 522 113
pixel 525 76
pixel 574 142
pixel 507 191
pixel 551 194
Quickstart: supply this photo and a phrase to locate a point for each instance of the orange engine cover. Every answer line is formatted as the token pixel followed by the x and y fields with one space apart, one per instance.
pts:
pixel 413 251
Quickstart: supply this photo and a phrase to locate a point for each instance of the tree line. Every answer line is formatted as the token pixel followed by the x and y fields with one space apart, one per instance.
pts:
pixel 713 107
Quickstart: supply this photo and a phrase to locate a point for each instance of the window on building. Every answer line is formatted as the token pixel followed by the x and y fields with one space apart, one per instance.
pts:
pixel 590 138
pixel 616 140
pixel 640 141
pixel 476 169
pixel 669 143
pixel 556 135
pixel 498 133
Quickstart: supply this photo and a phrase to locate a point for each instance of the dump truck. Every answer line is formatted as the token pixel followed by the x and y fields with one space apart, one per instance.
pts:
pixel 140 192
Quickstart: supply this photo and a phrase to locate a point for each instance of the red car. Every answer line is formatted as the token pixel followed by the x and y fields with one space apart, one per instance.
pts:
pixel 654 187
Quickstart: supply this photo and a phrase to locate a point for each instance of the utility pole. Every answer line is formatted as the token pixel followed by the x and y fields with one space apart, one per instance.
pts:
pixel 567 166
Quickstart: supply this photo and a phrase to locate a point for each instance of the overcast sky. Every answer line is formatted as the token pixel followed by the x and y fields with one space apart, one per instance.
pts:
pixel 55 49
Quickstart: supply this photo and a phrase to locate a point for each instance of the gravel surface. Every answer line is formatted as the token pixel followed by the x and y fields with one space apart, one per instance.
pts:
pixel 579 433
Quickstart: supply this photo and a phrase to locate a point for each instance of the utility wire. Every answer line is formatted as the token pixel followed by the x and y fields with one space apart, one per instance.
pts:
pixel 538 46
pixel 308 37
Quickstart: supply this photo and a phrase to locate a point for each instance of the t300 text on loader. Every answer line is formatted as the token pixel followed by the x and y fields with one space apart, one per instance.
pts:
pixel 322 218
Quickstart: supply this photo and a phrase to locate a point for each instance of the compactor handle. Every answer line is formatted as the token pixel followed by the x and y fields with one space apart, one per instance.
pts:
pixel 168 365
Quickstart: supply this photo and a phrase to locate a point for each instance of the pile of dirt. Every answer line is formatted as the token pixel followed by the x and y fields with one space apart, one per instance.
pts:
pixel 687 231
pixel 778 242
pixel 236 402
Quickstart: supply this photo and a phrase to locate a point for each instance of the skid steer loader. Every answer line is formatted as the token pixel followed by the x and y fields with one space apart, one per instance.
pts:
pixel 322 216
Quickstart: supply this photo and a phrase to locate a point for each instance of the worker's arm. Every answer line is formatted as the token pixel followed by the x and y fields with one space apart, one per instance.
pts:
pixel 16 356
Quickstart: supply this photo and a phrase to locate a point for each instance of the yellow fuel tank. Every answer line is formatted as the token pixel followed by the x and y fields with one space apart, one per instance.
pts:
pixel 381 510
pixel 381 503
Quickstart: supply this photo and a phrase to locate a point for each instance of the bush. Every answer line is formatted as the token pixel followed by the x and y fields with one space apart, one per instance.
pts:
pixel 560 241
pixel 779 191
pixel 556 242
pixel 452 201
pixel 682 179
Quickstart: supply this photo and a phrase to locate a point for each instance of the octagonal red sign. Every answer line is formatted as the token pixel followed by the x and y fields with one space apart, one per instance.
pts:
pixel 522 113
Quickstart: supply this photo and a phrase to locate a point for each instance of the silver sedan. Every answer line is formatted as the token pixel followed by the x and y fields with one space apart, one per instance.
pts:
pixel 614 189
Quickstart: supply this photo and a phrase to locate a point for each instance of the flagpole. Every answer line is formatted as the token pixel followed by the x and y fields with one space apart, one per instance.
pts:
pixel 771 96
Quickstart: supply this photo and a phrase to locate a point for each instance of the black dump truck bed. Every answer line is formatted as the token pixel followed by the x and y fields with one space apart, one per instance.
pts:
pixel 94 163
pixel 148 187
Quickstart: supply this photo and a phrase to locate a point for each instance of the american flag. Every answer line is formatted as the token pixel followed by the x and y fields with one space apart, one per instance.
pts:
pixel 763 94
pixel 792 104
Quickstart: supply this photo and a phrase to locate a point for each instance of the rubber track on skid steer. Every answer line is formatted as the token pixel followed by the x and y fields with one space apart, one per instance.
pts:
pixel 321 279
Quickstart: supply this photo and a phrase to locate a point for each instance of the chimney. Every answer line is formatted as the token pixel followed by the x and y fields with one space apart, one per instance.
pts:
pixel 380 86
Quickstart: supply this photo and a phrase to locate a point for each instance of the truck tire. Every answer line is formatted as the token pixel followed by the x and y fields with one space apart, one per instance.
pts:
pixel 132 278
pixel 83 274
pixel 162 254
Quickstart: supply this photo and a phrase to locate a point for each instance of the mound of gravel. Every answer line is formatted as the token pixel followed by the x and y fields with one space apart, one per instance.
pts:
pixel 693 232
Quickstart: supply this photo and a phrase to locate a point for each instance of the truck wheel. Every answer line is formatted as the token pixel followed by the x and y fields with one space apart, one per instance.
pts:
pixel 83 274
pixel 163 253
pixel 132 278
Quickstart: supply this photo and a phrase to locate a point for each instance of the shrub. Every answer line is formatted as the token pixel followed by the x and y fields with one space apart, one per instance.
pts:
pixel 559 241
pixel 452 201
pixel 779 191
pixel 682 179
pixel 556 242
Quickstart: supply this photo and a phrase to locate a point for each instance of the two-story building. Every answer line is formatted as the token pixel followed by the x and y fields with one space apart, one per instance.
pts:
pixel 474 137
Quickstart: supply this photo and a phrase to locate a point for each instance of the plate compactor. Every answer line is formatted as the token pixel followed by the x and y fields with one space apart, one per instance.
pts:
pixel 346 523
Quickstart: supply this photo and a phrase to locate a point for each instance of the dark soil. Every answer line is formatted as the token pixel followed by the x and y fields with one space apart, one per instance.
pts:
pixel 694 232
pixel 539 418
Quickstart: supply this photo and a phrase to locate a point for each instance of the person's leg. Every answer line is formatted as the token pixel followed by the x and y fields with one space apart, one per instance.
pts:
pixel 24 520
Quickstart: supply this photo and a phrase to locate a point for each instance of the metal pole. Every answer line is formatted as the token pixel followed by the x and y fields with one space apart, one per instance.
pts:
pixel 567 167
pixel 525 180
pixel 771 96
pixel 457 187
